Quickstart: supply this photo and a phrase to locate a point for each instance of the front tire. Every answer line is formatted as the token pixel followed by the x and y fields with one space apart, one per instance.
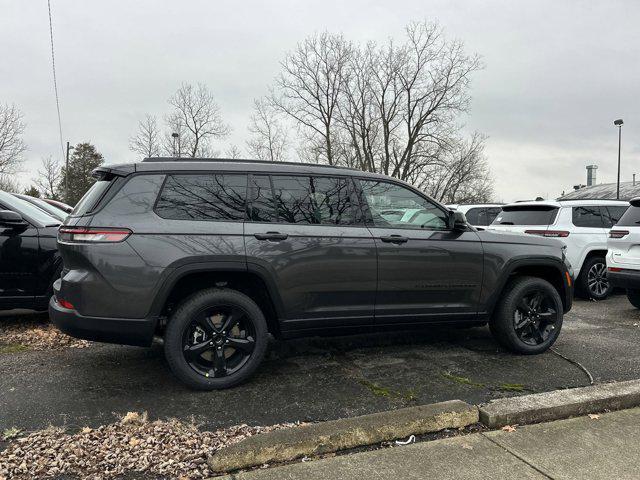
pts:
pixel 528 318
pixel 634 297
pixel 215 339
pixel 593 282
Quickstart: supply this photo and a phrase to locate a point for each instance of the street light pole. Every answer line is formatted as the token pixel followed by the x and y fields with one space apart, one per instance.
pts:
pixel 66 174
pixel 175 139
pixel 618 123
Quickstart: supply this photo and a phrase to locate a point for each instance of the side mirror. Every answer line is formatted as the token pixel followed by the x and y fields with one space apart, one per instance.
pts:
pixel 458 221
pixel 11 219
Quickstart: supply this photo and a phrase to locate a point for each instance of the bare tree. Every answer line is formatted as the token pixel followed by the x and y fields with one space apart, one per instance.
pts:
pixel 11 144
pixel 146 142
pixel 463 175
pixel 8 183
pixel 389 108
pixel 49 177
pixel 268 136
pixel 233 152
pixel 309 87
pixel 198 115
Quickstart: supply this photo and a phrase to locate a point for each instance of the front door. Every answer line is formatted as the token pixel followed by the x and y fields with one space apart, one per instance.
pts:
pixel 306 235
pixel 19 252
pixel 426 270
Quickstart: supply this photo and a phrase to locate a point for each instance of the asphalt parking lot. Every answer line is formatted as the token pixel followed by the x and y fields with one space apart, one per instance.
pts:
pixel 318 379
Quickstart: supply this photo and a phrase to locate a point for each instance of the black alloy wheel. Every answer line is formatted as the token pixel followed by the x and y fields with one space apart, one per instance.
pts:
pixel 219 341
pixel 216 339
pixel 535 317
pixel 528 317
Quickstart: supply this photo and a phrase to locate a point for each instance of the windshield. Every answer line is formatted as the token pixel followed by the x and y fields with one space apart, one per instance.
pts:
pixel 27 209
pixel 526 215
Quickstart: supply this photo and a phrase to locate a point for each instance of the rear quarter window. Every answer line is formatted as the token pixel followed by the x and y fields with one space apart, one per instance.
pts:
pixel 527 215
pixel 631 218
pixel 90 199
pixel 588 216
pixel 203 197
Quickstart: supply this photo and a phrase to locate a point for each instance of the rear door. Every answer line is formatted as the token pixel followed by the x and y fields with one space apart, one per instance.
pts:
pixel 305 234
pixel 589 233
pixel 426 271
pixel 625 250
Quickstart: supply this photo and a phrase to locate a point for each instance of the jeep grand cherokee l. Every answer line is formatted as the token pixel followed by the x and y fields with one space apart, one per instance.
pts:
pixel 214 255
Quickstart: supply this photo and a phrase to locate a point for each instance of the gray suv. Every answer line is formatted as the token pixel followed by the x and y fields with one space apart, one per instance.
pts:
pixel 215 255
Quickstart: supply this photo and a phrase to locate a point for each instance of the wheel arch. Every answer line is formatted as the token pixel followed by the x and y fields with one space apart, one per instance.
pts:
pixel 188 279
pixel 551 270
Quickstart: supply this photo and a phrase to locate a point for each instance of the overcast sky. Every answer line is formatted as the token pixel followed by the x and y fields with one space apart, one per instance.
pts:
pixel 557 73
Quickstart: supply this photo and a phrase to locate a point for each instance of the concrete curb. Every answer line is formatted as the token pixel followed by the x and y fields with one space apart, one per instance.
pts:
pixel 559 404
pixel 335 435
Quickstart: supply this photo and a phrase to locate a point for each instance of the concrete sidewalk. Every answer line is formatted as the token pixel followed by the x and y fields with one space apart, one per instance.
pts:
pixel 577 448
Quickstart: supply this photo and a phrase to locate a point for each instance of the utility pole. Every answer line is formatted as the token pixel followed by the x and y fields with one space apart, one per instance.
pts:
pixel 66 174
pixel 618 123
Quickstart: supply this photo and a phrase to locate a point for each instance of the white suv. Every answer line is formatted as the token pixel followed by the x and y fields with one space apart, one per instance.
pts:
pixel 583 226
pixel 479 215
pixel 623 258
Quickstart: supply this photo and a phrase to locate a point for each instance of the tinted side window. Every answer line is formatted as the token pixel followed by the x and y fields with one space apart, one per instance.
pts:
pixel 492 213
pixel 612 215
pixel 631 218
pixel 587 217
pixel 333 201
pixel 474 216
pixel 393 205
pixel 262 207
pixel 90 199
pixel 294 199
pixel 203 197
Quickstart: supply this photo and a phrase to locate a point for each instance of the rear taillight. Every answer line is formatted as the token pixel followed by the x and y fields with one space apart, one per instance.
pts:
pixel 549 233
pixel 618 233
pixel 65 304
pixel 614 269
pixel 92 235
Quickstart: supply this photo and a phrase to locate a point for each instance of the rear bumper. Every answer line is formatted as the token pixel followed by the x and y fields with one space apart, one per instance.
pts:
pixel 625 279
pixel 125 331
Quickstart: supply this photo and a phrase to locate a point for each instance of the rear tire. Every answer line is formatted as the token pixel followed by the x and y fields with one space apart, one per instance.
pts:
pixel 215 339
pixel 592 281
pixel 528 317
pixel 634 297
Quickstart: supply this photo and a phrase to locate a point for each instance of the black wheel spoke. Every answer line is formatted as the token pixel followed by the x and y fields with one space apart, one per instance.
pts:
pixel 194 351
pixel 207 325
pixel 549 314
pixel 536 334
pixel 231 320
pixel 245 344
pixel 524 321
pixel 219 362
pixel 524 305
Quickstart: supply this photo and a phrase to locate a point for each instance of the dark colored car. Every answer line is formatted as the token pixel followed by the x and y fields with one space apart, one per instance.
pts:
pixel 215 255
pixel 46 207
pixel 29 260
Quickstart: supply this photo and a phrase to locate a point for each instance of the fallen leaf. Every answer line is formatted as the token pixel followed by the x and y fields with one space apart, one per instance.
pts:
pixel 466 446
pixel 594 416
pixel 509 428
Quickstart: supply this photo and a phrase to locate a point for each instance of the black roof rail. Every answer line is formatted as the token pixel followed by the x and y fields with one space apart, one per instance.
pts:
pixel 239 160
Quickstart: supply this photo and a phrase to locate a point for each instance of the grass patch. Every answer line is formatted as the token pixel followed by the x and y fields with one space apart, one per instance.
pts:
pixel 380 391
pixel 9 348
pixel 513 387
pixel 10 433
pixel 461 380
pixel 376 389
